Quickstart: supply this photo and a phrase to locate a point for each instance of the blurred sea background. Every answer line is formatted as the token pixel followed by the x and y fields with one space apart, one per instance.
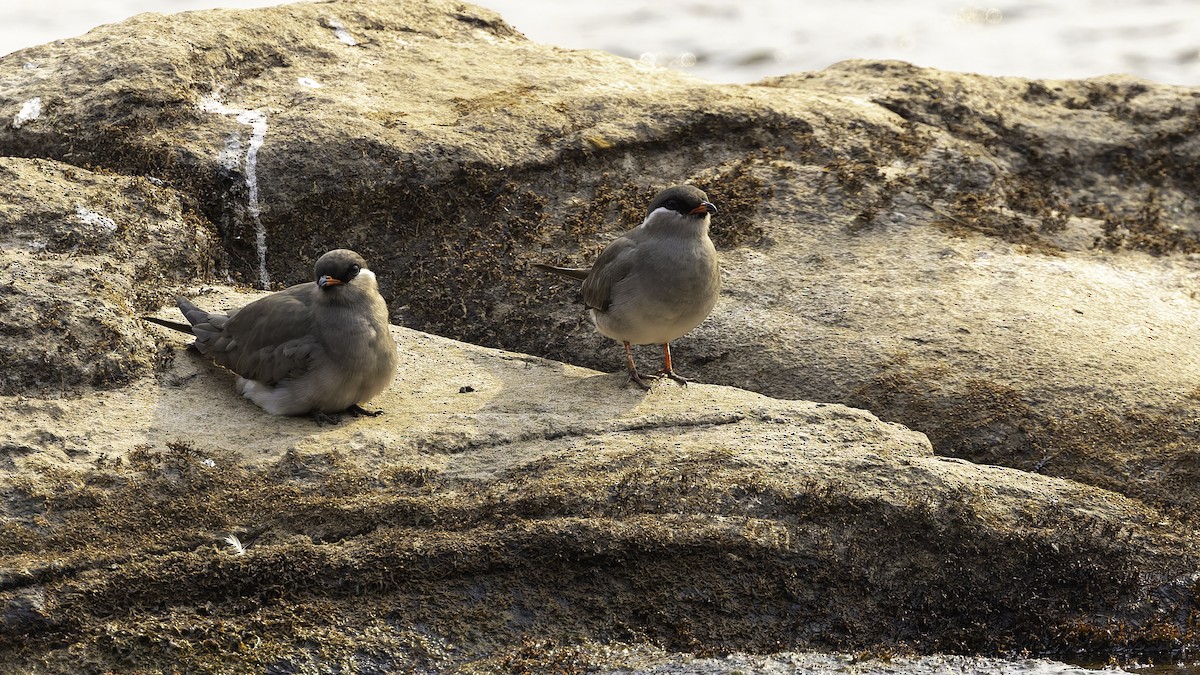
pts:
pixel 746 40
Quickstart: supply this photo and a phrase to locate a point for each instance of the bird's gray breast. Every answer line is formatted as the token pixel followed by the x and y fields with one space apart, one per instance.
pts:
pixel 669 291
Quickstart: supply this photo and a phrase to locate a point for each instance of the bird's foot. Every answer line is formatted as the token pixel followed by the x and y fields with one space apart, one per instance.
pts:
pixel 670 374
pixel 359 411
pixel 355 410
pixel 323 418
pixel 640 380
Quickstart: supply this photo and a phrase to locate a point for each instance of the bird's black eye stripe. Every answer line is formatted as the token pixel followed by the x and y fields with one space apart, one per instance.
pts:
pixel 672 204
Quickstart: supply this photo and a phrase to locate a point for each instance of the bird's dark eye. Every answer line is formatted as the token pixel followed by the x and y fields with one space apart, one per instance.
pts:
pixel 354 269
pixel 672 204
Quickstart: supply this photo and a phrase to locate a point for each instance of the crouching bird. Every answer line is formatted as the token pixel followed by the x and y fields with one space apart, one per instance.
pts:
pixel 657 281
pixel 321 347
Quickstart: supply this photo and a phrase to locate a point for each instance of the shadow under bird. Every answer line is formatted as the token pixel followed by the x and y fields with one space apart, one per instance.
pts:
pixel 321 347
pixel 657 281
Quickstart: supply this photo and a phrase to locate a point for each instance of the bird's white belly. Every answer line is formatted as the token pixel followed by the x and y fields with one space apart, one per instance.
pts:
pixel 650 322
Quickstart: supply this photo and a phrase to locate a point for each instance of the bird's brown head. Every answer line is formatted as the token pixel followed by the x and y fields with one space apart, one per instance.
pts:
pixel 686 200
pixel 338 268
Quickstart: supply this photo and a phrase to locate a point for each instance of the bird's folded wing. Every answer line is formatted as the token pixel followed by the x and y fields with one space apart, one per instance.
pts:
pixel 614 264
pixel 271 339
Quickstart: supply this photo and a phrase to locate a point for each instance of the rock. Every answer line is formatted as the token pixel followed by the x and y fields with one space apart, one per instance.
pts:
pixel 178 524
pixel 82 254
pixel 1001 263
pixel 25 611
pixel 1004 265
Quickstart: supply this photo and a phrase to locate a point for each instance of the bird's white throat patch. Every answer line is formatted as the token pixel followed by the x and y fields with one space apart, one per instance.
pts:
pixel 669 220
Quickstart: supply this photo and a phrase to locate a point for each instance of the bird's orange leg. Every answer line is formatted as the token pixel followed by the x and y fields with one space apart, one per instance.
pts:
pixel 667 371
pixel 633 373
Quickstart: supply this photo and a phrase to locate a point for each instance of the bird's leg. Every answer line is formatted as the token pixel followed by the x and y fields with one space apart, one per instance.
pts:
pixel 633 373
pixel 667 371
pixel 323 418
pixel 359 411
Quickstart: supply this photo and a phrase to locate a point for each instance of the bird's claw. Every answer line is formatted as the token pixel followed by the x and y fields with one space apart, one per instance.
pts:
pixel 670 374
pixel 355 410
pixel 637 378
pixel 359 411
pixel 323 418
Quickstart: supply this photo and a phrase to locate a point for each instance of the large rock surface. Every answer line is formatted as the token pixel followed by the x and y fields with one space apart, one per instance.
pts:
pixel 82 254
pixel 481 519
pixel 1004 265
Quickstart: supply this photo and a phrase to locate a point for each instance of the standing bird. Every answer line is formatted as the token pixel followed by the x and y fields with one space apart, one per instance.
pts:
pixel 657 281
pixel 320 347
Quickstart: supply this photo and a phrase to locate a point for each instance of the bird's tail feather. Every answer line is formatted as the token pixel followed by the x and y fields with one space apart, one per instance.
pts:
pixel 173 325
pixel 191 312
pixel 572 272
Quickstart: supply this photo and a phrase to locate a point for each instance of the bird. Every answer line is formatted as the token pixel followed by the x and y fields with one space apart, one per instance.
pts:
pixel 322 347
pixel 657 281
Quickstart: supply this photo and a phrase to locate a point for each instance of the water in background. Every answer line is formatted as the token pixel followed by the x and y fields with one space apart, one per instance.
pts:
pixel 742 41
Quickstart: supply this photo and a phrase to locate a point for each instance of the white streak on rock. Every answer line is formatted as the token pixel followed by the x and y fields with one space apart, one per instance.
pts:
pixel 211 103
pixel 30 111
pixel 340 32
pixel 258 133
pixel 89 217
pixel 231 157
pixel 308 82
pixel 485 36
